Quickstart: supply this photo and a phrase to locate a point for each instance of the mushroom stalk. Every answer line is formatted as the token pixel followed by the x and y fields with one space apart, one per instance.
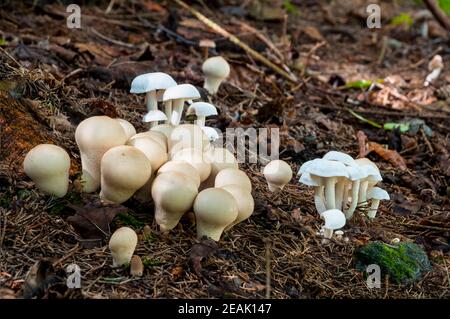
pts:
pixel 330 198
pixel 177 111
pixel 168 110
pixel 200 121
pixel 373 208
pixel 318 199
pixel 327 233
pixel 362 199
pixel 354 203
pixel 152 102
pixel 340 187
pixel 212 84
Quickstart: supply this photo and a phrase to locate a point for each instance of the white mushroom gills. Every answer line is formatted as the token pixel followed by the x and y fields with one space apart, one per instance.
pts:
pixel 216 70
pixel 48 166
pixel 122 245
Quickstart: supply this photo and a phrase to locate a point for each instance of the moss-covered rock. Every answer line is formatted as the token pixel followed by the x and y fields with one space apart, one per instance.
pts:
pixel 404 263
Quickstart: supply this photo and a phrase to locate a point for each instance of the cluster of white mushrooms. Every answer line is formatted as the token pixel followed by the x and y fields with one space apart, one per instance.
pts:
pixel 341 184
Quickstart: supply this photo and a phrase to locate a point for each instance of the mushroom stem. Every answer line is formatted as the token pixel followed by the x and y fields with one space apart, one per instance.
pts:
pixel 177 111
pixel 152 102
pixel 318 199
pixel 340 186
pixel 200 120
pixel 327 233
pixel 212 84
pixel 354 203
pixel 330 198
pixel 168 110
pixel 362 198
pixel 345 197
pixel 373 208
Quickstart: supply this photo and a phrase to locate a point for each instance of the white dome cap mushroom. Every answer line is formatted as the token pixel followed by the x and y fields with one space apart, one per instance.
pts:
pixel 355 174
pixel 244 200
pixel 197 159
pixel 376 194
pixel 229 176
pixel 174 98
pixel 334 219
pixel 48 166
pixel 94 136
pixel 373 177
pixel 215 69
pixel 340 157
pixel 173 194
pixel 220 158
pixel 122 245
pixel 127 127
pixel 277 173
pixel 125 169
pixel 212 133
pixel 183 168
pixel 149 83
pixel 201 110
pixel 214 209
pixel 317 183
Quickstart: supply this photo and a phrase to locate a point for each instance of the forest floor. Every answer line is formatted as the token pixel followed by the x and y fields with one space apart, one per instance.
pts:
pixel 52 77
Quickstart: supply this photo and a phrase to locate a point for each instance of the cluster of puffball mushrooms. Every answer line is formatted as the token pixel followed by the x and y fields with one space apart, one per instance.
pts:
pixel 176 166
pixel 341 184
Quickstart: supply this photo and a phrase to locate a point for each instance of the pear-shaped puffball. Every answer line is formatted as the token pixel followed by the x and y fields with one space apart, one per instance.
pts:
pixel 136 266
pixel 230 176
pixel 94 136
pixel 197 159
pixel 214 209
pixel 277 173
pixel 157 136
pixel 48 166
pixel 122 245
pixel 215 69
pixel 152 149
pixel 125 169
pixel 173 194
pixel 165 129
pixel 220 158
pixel 244 200
pixel 181 167
pixel 128 128
pixel 187 136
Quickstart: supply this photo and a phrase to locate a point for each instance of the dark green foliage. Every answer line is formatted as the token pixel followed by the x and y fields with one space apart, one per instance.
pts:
pixel 404 263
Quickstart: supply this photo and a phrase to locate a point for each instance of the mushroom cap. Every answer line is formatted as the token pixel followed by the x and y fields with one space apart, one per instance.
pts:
pixel 124 169
pixel 305 166
pixel 122 245
pixel 378 193
pixel 202 109
pixel 216 66
pixel 165 129
pixel 197 159
pixel 356 172
pixel 181 91
pixel 127 127
pixel 214 209
pixel 136 266
pixel 229 176
pixel 48 166
pixel 152 149
pixel 181 167
pixel 154 116
pixel 207 43
pixel 211 133
pixel 155 135
pixel 151 81
pixel 220 158
pixel 326 168
pixel 310 180
pixel 340 157
pixel 278 172
pixel 244 200
pixel 435 63
pixel 334 219
pixel 371 169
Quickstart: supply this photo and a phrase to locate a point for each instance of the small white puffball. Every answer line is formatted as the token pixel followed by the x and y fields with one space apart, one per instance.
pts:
pixel 152 150
pixel 183 168
pixel 125 169
pixel 244 200
pixel 173 194
pixel 187 136
pixel 94 136
pixel 122 245
pixel 197 159
pixel 215 69
pixel 277 173
pixel 127 127
pixel 230 176
pixel 214 209
pixel 155 135
pixel 220 159
pixel 48 166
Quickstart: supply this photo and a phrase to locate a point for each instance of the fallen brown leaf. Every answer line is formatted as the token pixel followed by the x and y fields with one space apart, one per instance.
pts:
pixel 389 155
pixel 199 251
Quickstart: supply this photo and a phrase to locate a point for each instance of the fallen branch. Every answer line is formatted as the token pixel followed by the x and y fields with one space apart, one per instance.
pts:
pixel 218 29
pixel 440 16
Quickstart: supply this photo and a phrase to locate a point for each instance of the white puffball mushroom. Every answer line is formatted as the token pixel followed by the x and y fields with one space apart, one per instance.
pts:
pixel 220 158
pixel 136 266
pixel 94 136
pixel 122 245
pixel 48 166
pixel 214 209
pixel 197 159
pixel 183 168
pixel 244 200
pixel 154 135
pixel 334 219
pixel 277 173
pixel 125 169
pixel 230 176
pixel 165 129
pixel 375 195
pixel 187 136
pixel 127 127
pixel 173 194
pixel 152 149
pixel 216 70
pixel 435 66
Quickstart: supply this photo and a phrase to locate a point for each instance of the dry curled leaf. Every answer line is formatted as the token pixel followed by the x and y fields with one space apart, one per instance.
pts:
pixel 391 156
pixel 200 251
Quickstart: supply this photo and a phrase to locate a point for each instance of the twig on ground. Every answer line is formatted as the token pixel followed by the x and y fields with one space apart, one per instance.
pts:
pixel 440 16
